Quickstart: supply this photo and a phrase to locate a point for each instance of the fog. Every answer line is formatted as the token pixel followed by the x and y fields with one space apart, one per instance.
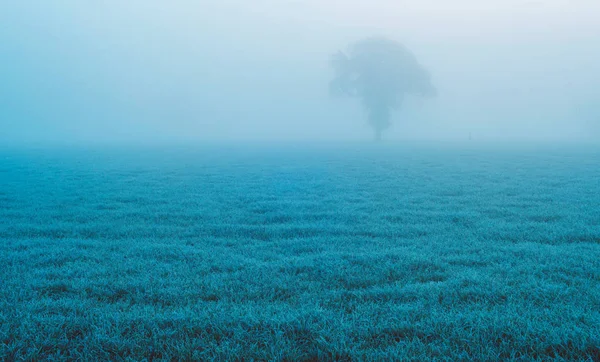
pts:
pixel 232 70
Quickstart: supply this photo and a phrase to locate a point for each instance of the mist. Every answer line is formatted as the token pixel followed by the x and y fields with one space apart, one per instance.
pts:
pixel 299 180
pixel 189 71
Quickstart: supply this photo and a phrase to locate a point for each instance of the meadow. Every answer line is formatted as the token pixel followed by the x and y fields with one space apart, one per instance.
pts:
pixel 300 253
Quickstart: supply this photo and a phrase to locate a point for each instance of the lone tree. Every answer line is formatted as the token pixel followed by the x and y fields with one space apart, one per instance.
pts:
pixel 381 72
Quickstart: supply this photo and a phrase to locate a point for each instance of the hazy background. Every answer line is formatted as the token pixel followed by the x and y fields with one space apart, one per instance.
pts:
pixel 143 70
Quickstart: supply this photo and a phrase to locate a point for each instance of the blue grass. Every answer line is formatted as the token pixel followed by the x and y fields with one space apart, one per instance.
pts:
pixel 345 252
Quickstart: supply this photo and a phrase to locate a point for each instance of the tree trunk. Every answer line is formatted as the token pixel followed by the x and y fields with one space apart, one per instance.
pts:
pixel 378 134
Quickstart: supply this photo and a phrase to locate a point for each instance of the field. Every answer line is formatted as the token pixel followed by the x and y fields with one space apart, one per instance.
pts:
pixel 300 252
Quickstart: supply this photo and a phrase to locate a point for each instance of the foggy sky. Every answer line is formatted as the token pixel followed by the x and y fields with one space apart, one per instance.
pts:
pixel 183 70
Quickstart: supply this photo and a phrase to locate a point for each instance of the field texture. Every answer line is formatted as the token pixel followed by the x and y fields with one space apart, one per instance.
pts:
pixel 348 252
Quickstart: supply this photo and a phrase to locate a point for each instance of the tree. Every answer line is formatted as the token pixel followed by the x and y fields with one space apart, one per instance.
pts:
pixel 381 72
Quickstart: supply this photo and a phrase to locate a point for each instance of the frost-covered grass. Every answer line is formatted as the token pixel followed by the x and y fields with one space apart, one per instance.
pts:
pixel 365 252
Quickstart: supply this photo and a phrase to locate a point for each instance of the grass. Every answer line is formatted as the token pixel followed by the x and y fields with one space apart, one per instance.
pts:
pixel 325 253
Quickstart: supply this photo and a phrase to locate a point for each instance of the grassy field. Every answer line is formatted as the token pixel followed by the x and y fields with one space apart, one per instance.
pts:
pixel 345 252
